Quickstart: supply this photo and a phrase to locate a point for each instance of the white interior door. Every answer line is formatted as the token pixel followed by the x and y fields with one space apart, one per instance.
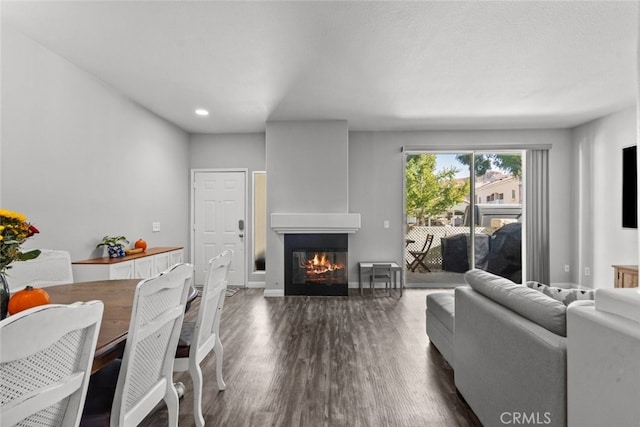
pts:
pixel 219 221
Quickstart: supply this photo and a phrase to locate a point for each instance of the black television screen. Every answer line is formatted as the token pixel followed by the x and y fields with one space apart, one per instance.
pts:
pixel 629 187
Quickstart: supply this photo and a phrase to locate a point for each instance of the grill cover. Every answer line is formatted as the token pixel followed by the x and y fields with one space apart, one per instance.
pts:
pixel 455 250
pixel 505 257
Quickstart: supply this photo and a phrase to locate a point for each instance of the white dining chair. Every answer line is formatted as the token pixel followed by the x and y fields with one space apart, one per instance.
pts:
pixel 51 267
pixel 46 354
pixel 124 392
pixel 199 338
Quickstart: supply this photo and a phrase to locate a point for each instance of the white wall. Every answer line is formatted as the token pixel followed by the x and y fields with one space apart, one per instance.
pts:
pixel 599 237
pixel 222 151
pixel 376 191
pixel 307 172
pixel 233 151
pixel 308 166
pixel 375 177
pixel 81 161
pixel 375 188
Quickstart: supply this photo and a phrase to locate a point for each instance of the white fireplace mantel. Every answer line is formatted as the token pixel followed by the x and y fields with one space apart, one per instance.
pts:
pixel 298 223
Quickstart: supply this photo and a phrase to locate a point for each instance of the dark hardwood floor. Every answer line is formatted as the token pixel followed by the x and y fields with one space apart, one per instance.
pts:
pixel 326 361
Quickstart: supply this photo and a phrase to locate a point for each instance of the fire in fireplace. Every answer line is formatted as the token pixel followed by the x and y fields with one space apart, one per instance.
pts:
pixel 319 267
pixel 316 264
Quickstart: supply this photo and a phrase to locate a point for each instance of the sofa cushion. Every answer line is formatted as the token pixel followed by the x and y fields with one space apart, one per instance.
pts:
pixel 565 296
pixel 529 303
pixel 442 305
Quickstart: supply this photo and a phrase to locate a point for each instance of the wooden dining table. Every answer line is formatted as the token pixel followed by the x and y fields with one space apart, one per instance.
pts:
pixel 117 297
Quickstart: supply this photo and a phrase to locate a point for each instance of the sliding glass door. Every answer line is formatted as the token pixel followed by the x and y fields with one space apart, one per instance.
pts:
pixel 461 216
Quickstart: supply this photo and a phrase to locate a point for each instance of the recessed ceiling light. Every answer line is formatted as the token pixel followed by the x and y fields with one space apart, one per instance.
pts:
pixel 202 112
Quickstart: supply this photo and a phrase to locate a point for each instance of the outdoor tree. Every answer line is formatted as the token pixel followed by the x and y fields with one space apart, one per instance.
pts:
pixel 510 163
pixel 431 192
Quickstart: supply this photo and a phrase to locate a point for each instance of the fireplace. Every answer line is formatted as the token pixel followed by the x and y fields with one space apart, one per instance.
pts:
pixel 316 264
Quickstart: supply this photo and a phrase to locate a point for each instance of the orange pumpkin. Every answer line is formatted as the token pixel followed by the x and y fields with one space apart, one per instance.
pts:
pixel 27 298
pixel 140 244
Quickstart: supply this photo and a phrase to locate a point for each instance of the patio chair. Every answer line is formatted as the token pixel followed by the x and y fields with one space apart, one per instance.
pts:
pixel 46 354
pixel 419 256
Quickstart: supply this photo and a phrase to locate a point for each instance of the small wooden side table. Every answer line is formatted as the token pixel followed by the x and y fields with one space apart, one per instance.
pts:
pixel 625 276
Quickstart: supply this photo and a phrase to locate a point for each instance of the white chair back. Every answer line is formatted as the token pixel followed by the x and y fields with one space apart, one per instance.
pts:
pixel 146 374
pixel 46 354
pixel 51 267
pixel 212 303
pixel 206 337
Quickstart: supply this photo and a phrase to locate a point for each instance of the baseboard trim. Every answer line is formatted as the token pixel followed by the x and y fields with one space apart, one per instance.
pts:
pixel 273 293
pixel 255 284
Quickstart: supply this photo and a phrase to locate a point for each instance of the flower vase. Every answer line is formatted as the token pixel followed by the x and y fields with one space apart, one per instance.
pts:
pixel 115 251
pixel 4 296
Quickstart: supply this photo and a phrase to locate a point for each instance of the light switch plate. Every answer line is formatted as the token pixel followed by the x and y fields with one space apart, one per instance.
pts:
pixel 155 227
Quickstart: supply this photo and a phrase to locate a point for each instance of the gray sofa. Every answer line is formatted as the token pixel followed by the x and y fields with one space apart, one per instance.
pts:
pixel 440 323
pixel 509 350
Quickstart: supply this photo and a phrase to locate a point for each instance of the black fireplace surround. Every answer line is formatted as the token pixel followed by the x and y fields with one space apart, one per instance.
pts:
pixel 316 264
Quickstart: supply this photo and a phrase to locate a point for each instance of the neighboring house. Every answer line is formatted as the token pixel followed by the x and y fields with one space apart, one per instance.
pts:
pixel 503 190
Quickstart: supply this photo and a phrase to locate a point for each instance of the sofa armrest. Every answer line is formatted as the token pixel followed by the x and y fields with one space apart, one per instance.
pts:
pixel 583 303
pixel 505 363
pixel 603 368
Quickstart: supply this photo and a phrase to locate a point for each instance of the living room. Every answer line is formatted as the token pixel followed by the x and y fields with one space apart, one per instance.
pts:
pixel 84 158
pixel 99 142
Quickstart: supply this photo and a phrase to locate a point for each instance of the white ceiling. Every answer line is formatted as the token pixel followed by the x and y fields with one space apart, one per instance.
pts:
pixel 380 65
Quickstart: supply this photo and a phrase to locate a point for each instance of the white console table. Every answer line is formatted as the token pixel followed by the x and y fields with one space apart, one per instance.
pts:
pixel 135 266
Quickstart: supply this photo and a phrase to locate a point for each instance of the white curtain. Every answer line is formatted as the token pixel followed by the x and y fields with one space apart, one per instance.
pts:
pixel 537 223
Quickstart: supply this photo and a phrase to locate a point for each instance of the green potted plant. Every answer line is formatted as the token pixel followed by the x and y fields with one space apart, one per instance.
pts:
pixel 114 244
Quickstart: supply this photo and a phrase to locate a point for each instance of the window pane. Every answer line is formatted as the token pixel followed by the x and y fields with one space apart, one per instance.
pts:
pixel 433 209
pixel 498 227
pixel 259 220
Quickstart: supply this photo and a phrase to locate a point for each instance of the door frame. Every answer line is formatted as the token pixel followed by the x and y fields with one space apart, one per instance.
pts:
pixel 439 149
pixel 192 213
